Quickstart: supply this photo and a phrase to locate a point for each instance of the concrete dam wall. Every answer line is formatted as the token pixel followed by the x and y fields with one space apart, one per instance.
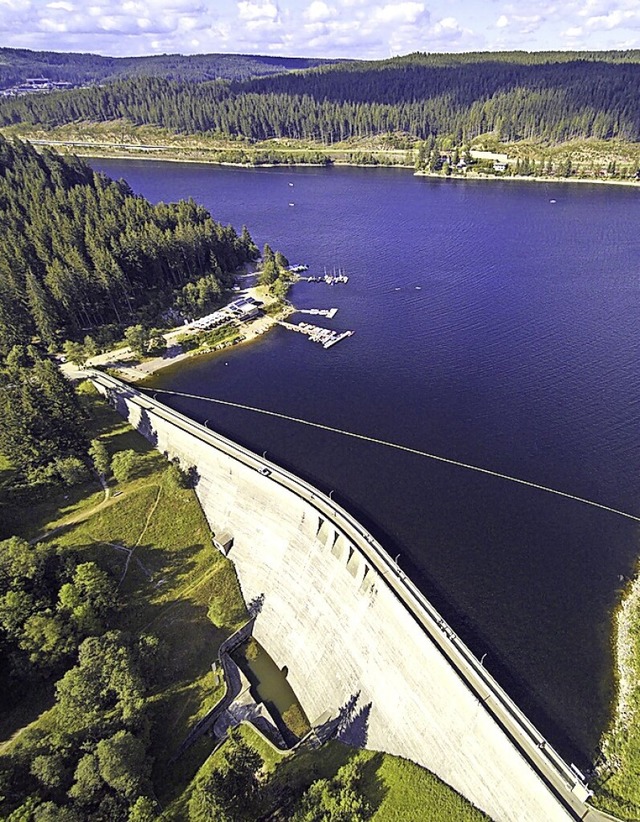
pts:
pixel 353 632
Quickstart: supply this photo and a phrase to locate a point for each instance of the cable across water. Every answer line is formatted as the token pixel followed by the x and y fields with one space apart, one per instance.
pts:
pixel 399 447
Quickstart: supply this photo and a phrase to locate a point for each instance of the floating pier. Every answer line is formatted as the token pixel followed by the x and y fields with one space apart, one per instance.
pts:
pixel 325 336
pixel 321 312
pixel 329 279
pixel 338 338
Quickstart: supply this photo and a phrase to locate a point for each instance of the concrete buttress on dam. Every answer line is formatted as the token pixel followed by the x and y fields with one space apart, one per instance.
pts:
pixel 354 634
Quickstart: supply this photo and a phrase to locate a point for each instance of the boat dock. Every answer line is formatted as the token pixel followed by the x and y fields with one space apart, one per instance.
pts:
pixel 330 313
pixel 329 279
pixel 325 336
pixel 338 338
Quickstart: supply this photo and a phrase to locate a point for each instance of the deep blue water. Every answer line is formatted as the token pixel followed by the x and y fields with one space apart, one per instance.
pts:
pixel 493 327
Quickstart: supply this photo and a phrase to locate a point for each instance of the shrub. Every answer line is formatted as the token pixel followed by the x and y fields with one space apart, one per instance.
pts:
pixel 125 464
pixel 72 470
pixel 177 478
pixel 100 456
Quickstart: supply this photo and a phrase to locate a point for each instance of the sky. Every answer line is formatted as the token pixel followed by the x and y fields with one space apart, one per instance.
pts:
pixel 358 29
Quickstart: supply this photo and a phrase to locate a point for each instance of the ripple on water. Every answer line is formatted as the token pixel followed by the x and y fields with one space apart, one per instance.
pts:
pixel 518 352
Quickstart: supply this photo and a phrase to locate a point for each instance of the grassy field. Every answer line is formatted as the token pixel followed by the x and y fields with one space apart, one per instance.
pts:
pixel 397 790
pixel 27 514
pixel 174 584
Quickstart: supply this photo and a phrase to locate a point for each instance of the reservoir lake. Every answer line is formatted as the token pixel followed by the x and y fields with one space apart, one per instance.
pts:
pixel 496 324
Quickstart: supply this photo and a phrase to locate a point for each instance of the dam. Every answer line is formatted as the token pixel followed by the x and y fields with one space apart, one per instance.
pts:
pixel 354 634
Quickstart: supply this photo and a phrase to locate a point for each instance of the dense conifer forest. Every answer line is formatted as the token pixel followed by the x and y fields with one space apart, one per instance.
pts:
pixel 547 97
pixel 16 65
pixel 80 253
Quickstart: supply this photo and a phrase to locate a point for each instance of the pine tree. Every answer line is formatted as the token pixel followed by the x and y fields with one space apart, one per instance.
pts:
pixel 42 419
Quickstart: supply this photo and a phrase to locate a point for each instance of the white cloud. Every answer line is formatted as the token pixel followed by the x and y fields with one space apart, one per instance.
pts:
pixel 54 26
pixel 448 35
pixel 366 29
pixel 319 11
pixel 114 19
pixel 615 19
pixel 15 16
pixel 257 11
pixel 448 24
pixel 60 5
pixel 520 23
pixel 595 7
pixel 402 13
pixel 15 5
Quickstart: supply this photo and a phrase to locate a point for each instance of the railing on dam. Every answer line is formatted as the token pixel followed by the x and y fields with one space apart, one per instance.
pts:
pixel 564 779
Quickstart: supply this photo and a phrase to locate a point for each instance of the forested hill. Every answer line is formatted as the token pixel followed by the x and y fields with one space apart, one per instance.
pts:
pixel 79 252
pixel 551 97
pixel 517 95
pixel 16 65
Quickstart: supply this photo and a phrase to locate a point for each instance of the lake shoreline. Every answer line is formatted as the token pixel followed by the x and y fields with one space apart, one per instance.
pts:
pixel 138 370
pixel 617 743
pixel 156 154
pixel 528 179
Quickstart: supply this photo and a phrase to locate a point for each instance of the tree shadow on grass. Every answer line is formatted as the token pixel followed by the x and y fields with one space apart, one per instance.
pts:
pixel 21 706
pixel 128 440
pixel 191 640
pixel 372 785
pixel 150 571
pixel 186 687
pixel 190 692
pixel 53 534
pixel 29 509
pixel 295 775
pixel 102 417
pixel 7 476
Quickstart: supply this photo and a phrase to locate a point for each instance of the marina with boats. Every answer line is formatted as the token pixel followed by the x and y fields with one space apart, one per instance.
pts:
pixel 330 278
pixel 326 337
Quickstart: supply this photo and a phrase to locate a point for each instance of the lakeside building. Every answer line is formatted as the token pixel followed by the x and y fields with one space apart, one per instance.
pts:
pixel 243 309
